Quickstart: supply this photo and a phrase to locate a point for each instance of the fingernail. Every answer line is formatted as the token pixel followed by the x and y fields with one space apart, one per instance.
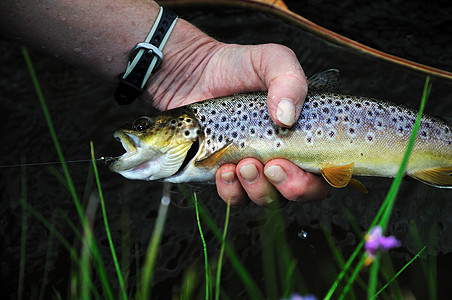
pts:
pixel 275 174
pixel 227 177
pixel 285 112
pixel 249 173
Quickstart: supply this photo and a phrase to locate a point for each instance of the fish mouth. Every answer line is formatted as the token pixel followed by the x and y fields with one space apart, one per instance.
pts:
pixel 131 145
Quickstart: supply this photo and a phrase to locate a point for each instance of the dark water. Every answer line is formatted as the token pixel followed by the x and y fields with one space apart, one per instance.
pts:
pixel 83 109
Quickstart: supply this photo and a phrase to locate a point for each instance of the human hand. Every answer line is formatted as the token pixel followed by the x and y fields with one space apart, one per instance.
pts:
pixel 212 69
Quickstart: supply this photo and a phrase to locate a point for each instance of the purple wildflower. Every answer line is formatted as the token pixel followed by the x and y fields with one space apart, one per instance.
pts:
pixel 375 241
pixel 296 296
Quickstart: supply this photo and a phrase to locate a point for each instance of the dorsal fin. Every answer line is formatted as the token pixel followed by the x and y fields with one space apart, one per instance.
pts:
pixel 324 81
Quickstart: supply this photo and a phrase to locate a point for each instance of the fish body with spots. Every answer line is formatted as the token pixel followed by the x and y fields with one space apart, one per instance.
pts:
pixel 338 136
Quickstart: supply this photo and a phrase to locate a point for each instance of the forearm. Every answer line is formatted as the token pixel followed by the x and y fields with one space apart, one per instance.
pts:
pixel 95 35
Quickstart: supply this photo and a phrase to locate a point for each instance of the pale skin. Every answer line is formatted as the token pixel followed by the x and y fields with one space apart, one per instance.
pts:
pixel 98 36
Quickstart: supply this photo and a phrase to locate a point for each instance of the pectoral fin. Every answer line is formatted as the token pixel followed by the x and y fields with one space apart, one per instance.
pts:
pixel 212 159
pixel 438 177
pixel 337 176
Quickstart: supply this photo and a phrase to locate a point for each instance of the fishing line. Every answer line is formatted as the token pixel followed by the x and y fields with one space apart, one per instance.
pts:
pixel 105 159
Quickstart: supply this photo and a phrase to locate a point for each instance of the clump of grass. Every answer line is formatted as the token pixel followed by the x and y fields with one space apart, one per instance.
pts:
pixel 279 266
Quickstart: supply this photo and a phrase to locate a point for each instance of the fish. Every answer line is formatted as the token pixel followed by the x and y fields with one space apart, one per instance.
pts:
pixel 336 135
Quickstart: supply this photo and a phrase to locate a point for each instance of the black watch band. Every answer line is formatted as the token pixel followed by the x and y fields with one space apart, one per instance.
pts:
pixel 145 58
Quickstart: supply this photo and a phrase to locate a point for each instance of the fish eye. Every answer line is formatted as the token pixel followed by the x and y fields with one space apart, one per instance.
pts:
pixel 141 124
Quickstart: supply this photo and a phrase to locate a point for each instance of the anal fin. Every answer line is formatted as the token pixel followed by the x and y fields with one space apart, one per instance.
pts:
pixel 438 177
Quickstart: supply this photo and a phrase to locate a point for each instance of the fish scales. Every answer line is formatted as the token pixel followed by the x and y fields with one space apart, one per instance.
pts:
pixel 335 135
pixel 332 129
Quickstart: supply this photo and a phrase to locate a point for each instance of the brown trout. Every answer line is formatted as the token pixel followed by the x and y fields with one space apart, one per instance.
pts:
pixel 336 135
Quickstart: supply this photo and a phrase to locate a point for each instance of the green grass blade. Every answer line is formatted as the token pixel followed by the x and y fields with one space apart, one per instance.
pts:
pixel 23 233
pixel 151 253
pixel 383 214
pixel 428 265
pixel 53 133
pixel 244 275
pixel 204 248
pixel 393 191
pixel 223 245
pixel 70 185
pixel 107 228
pixel 398 273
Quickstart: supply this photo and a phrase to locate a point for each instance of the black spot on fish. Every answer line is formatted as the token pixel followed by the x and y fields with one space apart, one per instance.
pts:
pixel 242 128
pixel 338 103
pixel 266 117
pixel 195 110
pixel 213 112
pixel 270 132
pixel 208 130
pixel 322 102
pixel 242 145
pixel 370 138
pixel 357 120
pixel 351 130
pixel 358 105
pixel 331 134
pixel 315 104
pixel 198 131
pixel 308 126
pixel 276 131
pixel 223 119
pixel 209 142
pixel 251 104
pixel 187 133
pixel 203 118
pixel 323 97
pixel 326 110
pixel 370 113
pixel 400 130
pixel 234 134
pixel 173 122
pixel 362 154
pixel 216 126
pixel 252 131
pixel 226 127
pixel 245 117
pixel 188 120
pixel 179 124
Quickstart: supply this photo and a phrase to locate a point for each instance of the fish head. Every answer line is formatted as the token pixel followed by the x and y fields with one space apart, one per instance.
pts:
pixel 156 147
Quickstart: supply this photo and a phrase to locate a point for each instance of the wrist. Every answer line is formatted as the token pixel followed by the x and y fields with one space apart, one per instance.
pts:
pixel 187 52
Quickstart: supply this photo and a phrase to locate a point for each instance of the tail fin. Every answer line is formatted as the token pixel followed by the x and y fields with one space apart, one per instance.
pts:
pixel 438 177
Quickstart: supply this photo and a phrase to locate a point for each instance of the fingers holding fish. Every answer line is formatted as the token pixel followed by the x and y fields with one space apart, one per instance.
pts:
pixel 229 187
pixel 294 183
pixel 287 85
pixel 250 173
